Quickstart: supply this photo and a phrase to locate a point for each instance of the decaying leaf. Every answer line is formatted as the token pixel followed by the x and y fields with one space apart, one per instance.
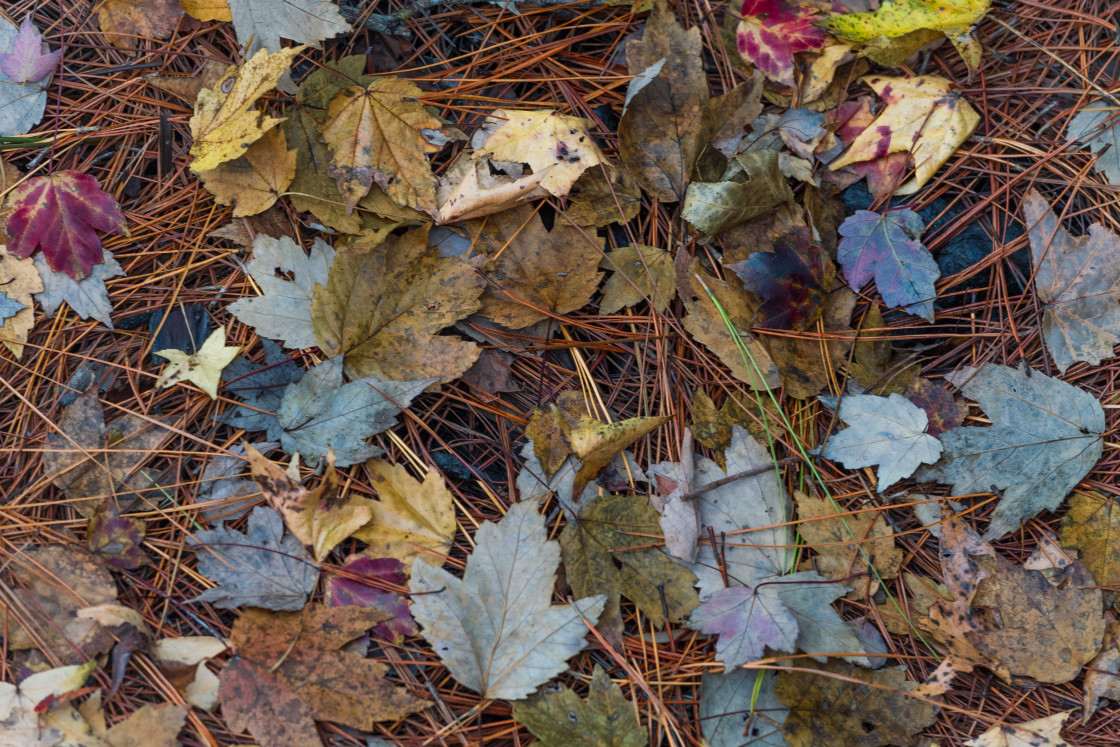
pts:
pixel 207 10
pixel 827 711
pixel 262 568
pixel 88 297
pixel 260 24
pixel 844 543
pixel 923 117
pixel 605 719
pixel 752 185
pixel 1045 436
pixel 383 306
pixel 738 706
pixel 21 706
pixel 224 124
pixel 943 411
pixel 126 22
pixel 792 281
pixel 359 587
pixel 640 273
pixel 805 362
pixel 1102 675
pixel 535 273
pixel 1092 528
pixel 376 134
pixel 291 670
pixel 496 630
pixel 20 282
pixel 599 200
pixel 883 174
pixel 116 539
pixel 771 32
pixel 888 248
pixel 1041 732
pixel 410 518
pixel 887 431
pixel 596 443
pixel 1077 280
pixel 253 182
pixel 203 369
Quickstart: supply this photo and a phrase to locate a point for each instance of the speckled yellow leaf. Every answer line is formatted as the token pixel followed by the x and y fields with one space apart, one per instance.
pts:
pixel 254 182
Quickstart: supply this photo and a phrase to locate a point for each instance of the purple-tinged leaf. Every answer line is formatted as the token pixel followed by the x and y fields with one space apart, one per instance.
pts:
pixel 887 248
pixel 361 592
pixel 30 60
pixel 117 538
pixel 789 279
pixel 746 621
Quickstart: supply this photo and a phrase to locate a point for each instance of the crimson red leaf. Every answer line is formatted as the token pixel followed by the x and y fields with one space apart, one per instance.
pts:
pixel 789 279
pixel 887 247
pixel 58 214
pixel 772 31
pixel 361 592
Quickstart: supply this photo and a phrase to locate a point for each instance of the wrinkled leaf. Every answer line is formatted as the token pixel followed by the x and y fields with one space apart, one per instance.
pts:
pixel 754 185
pixel 605 719
pixel 117 539
pixel 888 248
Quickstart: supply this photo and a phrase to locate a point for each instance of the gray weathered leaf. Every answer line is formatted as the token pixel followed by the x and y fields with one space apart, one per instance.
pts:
pixel 495 629
pixel 1095 125
pixel 1078 280
pixel 1045 436
pixel 888 431
pixel 262 23
pixel 88 297
pixel 261 388
pixel 263 568
pixel 726 718
pixel 283 312
pixel 21 104
pixel 320 412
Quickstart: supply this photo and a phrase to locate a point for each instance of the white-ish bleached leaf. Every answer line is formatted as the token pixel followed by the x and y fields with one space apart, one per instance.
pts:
pixel 264 568
pixel 1045 436
pixel 19 718
pixel 1095 125
pixel 320 412
pixel 21 104
pixel 263 23
pixel 496 630
pixel 88 297
pixel 887 431
pixel 283 312
pixel 729 708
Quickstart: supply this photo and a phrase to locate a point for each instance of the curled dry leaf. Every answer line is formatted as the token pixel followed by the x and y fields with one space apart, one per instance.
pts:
pixel 183 662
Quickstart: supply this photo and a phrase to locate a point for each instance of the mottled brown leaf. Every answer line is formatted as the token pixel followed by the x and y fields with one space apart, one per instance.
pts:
pixel 1092 528
pixel 639 273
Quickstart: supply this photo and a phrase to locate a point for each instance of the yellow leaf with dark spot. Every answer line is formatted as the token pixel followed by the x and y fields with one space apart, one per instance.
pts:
pixel 596 443
pixel 203 369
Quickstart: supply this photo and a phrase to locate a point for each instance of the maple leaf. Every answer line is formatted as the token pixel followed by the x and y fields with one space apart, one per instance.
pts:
pixel 287 278
pixel 88 297
pixel 1078 281
pixel 317 518
pixel 21 104
pixel 20 706
pixel 360 583
pixel 883 174
pixel 376 134
pixel 1045 436
pixel 924 117
pixel 561 719
pixel 1091 527
pixel 261 389
pixel 469 189
pixel 771 32
pixel 123 21
pixel 791 280
pixel 888 431
pixel 225 124
pixel 253 182
pixel 898 18
pixel 58 213
pixel 262 568
pixel 495 629
pixel 740 702
pixel 1039 732
pixel 383 306
pixel 291 670
pixel 887 248
pixel 1095 126
pixel 319 412
pixel 260 24
pixel 410 517
pixel 30 60
pixel 535 273
pixel 203 369
pixel 747 621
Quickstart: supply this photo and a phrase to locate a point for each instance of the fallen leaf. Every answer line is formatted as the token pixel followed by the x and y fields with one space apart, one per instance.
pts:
pixel 792 280
pixel 20 706
pixel 20 281
pixel 492 374
pixel 291 670
pixel 92 460
pixel 806 363
pixel 383 307
pixel 596 443
pixel 496 630
pixel 471 188
pixel 116 539
pixel 410 518
pixel 731 113
pixel 207 10
pixel 262 568
pixel 610 549
pixel 1045 436
pixel 747 621
pixel 924 117
pixel 88 297
pixel 752 186
pixel 261 388
pixel 253 182
pixel 224 124
pixel 9 307
pixel 942 409
pixel 260 24
pixel 663 130
pixel 599 200
pixel 888 248
pixel 1041 732
pixel 319 412
pixel 898 18
pixel 604 719
pixel 1077 281
pixel 1102 675
pixel 21 104
pixel 187 87
pixel 844 543
pixel 183 661
pixel 887 431
pixel 640 273
pixel 877 365
pixel 376 134
pixel 821 77
pixel 54 583
pixel 203 369
pixel 532 273
pixel 1092 528
pixel 827 711
pixel 58 214
pixel 287 278
pixel 671 495
pixel 127 22
pixel 549 443
pixel 30 60
pixel 739 705
pixel 712 428
pixel 318 518
pixel 1095 126
pixel 1046 632
pixel 771 32
pixel 361 587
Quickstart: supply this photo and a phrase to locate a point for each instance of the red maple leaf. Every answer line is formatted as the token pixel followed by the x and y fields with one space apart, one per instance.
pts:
pixel 58 213
pixel 771 32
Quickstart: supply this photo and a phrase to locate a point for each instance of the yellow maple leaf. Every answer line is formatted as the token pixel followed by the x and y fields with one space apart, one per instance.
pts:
pixel 923 117
pixel 204 368
pixel 224 124
pixel 410 518
pixel 253 182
